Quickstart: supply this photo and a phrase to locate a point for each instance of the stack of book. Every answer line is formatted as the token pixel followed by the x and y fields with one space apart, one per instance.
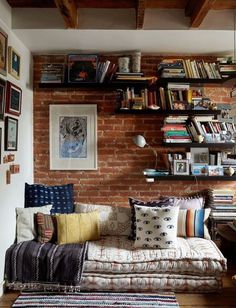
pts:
pixel 175 131
pixel 52 73
pixel 227 70
pixel 171 68
pixel 223 203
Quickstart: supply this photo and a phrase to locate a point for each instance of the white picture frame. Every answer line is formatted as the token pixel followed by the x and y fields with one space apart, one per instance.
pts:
pixel 181 167
pixel 199 156
pixel 73 137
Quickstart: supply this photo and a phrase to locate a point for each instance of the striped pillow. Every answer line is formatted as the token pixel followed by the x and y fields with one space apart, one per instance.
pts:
pixel 46 226
pixel 193 223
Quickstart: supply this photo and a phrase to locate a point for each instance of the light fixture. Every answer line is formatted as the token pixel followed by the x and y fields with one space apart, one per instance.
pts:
pixel 141 142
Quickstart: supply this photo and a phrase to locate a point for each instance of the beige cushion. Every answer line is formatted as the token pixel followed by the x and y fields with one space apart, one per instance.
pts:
pixel 113 220
pixel 25 226
pixel 77 228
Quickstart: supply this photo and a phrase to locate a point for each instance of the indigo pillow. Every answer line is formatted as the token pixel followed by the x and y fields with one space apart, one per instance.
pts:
pixel 156 227
pixel 155 203
pixel 61 197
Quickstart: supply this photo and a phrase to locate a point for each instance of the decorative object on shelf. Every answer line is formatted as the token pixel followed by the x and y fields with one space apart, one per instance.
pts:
pixel 229 171
pixel 199 138
pixel 14 62
pixel 141 142
pixel 136 62
pixel 11 134
pixel 200 155
pixel 52 73
pixel 198 169
pixel 82 68
pixel 3 52
pixel 181 167
pixel 215 170
pixel 2 98
pixel 13 99
pixel 123 64
pixel 73 137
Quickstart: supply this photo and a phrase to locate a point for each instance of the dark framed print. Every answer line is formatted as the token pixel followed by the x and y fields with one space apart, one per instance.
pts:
pixel 3 52
pixel 13 63
pixel 2 98
pixel 82 68
pixel 11 134
pixel 13 99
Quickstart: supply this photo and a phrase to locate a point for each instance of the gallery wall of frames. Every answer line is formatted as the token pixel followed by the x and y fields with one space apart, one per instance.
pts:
pixel 10 103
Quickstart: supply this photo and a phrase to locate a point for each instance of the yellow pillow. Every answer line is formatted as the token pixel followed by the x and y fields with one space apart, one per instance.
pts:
pixel 77 228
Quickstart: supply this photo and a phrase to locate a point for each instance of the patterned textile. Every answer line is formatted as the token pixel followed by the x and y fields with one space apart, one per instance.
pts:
pixel 196 265
pixel 25 224
pixel 157 203
pixel 96 300
pixel 156 227
pixel 61 197
pixel 113 220
pixel 46 226
pixel 34 265
pixel 78 228
pixel 193 223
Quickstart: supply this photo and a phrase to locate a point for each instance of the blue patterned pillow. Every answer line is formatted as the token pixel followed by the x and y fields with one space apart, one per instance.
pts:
pixel 61 197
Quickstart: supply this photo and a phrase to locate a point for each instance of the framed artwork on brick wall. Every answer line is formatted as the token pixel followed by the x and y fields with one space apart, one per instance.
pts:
pixel 3 52
pixel 73 137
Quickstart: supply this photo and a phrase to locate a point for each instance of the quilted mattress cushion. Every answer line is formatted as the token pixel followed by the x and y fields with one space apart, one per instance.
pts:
pixel 116 254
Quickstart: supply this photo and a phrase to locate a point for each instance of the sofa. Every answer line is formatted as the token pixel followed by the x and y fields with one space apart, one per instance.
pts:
pixel 125 256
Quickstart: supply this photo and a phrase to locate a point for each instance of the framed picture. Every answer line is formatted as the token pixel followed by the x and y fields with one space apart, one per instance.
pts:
pixel 73 137
pixel 200 155
pixel 3 52
pixel 82 68
pixel 181 167
pixel 13 63
pixel 199 169
pixel 11 134
pixel 215 170
pixel 13 99
pixel 2 98
pixel 0 145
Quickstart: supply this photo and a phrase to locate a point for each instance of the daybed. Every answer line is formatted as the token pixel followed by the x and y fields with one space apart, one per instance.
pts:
pixel 115 263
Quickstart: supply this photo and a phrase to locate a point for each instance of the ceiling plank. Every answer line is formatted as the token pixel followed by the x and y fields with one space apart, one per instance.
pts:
pixel 197 10
pixel 106 4
pixel 166 4
pixel 69 12
pixel 140 12
pixel 224 5
pixel 31 3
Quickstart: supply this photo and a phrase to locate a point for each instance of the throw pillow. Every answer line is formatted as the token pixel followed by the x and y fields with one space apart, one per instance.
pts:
pixel 192 223
pixel 169 201
pixel 194 203
pixel 61 197
pixel 46 226
pixel 156 227
pixel 113 220
pixel 25 222
pixel 77 228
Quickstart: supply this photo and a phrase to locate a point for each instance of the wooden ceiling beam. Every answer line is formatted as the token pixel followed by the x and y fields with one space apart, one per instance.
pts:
pixel 69 12
pixel 224 5
pixel 31 3
pixel 140 12
pixel 106 4
pixel 197 10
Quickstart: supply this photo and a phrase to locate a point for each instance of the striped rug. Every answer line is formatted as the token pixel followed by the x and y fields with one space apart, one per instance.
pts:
pixel 128 300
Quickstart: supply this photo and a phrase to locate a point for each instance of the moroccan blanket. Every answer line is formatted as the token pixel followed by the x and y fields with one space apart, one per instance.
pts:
pixel 32 265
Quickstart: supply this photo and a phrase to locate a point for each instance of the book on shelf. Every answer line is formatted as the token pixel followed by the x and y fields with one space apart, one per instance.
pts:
pixel 223 214
pixel 52 73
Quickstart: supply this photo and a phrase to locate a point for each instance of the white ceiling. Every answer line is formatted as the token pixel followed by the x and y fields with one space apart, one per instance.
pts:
pixel 103 30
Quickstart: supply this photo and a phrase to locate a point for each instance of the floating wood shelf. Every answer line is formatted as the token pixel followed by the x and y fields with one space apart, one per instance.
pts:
pixel 189 178
pixel 200 145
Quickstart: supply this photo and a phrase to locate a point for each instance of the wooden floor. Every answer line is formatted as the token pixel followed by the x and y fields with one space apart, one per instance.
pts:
pixel 225 299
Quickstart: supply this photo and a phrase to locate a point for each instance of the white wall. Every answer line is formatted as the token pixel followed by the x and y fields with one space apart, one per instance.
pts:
pixel 12 195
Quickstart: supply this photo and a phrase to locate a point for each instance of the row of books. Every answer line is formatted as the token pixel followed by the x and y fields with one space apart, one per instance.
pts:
pixel 106 71
pixel 52 73
pixel 179 68
pixel 222 203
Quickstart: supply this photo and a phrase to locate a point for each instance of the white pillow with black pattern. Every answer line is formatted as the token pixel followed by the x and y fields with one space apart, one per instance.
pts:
pixel 156 227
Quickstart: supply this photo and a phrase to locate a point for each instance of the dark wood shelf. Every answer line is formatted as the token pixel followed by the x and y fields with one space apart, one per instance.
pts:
pixel 191 178
pixel 222 145
pixel 164 81
pixel 168 112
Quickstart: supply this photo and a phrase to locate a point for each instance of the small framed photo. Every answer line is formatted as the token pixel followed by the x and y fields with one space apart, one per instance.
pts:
pixel 2 98
pixel 200 155
pixel 3 52
pixel 13 99
pixel 181 167
pixel 215 170
pixel 82 68
pixel 199 169
pixel 13 63
pixel 11 134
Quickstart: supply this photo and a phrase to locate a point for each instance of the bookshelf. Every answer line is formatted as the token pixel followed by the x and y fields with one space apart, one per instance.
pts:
pixel 218 145
pixel 189 178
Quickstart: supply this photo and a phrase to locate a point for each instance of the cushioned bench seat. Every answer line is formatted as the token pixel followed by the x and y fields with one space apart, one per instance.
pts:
pixel 197 265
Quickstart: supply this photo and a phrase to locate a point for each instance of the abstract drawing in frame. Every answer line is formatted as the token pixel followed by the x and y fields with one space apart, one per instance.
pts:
pixel 14 63
pixel 73 137
pixel 2 98
pixel 11 134
pixel 13 99
pixel 3 52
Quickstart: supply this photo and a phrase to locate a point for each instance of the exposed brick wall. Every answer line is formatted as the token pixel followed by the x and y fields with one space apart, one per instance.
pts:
pixel 120 162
